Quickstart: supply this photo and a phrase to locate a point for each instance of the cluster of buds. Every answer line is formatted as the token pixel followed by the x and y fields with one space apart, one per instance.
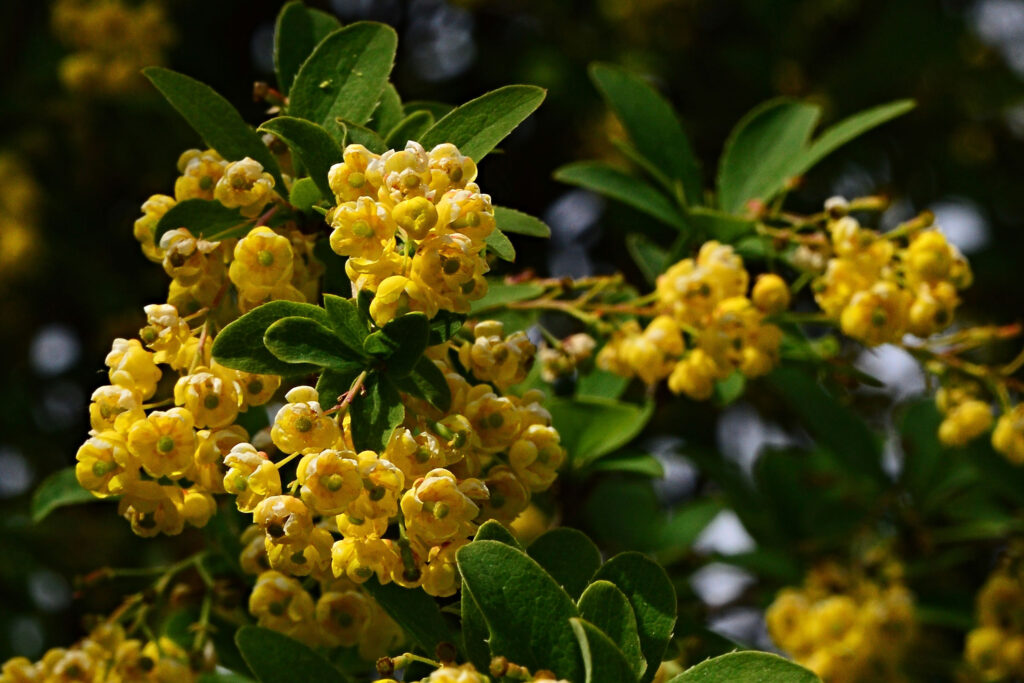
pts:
pixel 111 41
pixel 846 624
pixel 707 326
pixel 107 654
pixel 413 225
pixel 883 286
pixel 231 276
pixel 995 647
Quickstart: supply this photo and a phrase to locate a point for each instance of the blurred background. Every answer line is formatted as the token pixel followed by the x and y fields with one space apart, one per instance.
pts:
pixel 84 141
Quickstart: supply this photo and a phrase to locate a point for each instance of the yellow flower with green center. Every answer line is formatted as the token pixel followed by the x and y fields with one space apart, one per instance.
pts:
pixel 164 442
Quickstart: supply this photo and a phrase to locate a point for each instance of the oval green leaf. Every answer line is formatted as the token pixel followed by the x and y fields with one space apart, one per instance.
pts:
pixel 240 344
pixel 314 147
pixel 301 340
pixel 603 661
pixel 298 31
pixel 58 490
pixel 274 657
pixel 604 606
pixel 412 127
pixel 375 414
pixel 615 183
pixel 479 125
pixel 747 667
pixel 206 218
pixel 569 556
pixel 510 220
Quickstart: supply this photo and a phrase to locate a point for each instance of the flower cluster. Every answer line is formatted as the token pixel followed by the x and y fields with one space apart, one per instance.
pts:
pixel 19 214
pixel 413 224
pixel 844 624
pixel 111 41
pixel 995 648
pixel 707 326
pixel 440 475
pixel 882 286
pixel 107 654
pixel 229 276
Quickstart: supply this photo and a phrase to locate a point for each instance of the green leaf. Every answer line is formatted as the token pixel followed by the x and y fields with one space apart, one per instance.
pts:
pixel 301 340
pixel 479 125
pixel 652 125
pixel 57 490
pixel 313 145
pixel 510 220
pixel 601 384
pixel 613 182
pixel 436 109
pixel 274 657
pixel 375 414
pixel 345 75
pixel 603 661
pixel 492 530
pixel 649 591
pixel 474 630
pixel 426 381
pixel 444 325
pixel 346 322
pixel 416 612
pixel 630 462
pixel 401 343
pixel 723 227
pixel 604 606
pixel 298 31
pixel 527 613
pixel 389 111
pixel 240 344
pixel 502 247
pixel 834 425
pixel 224 678
pixel 217 122
pixel 762 152
pixel 304 195
pixel 730 389
pixel 362 135
pixel 412 127
pixel 848 129
pixel 206 218
pixel 331 384
pixel 568 556
pixel 651 259
pixel 501 293
pixel 746 667
pixel 591 427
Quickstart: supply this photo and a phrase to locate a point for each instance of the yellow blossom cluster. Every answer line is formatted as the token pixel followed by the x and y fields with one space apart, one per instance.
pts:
pixel 707 327
pixel 967 415
pixel 111 41
pixel 107 654
pixel 19 215
pixel 229 276
pixel 440 475
pixel 844 624
pixel 995 647
pixel 880 287
pixel 413 225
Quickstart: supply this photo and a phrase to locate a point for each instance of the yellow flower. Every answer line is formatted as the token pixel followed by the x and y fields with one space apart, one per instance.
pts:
pixel 536 456
pixel 398 295
pixel 690 289
pixel 415 454
pixel 932 309
pixel 166 334
pixel 245 186
pixel 330 480
pixel 362 228
pixel 382 485
pixel 348 180
pixel 164 442
pixel 212 401
pixel 467 211
pixel 351 526
pixel 115 407
pixel 343 617
pixel 197 507
pixel 132 367
pixel 150 516
pixel 188 259
pixel 449 169
pixel 280 603
pixel 930 258
pixel 361 558
pixel 770 293
pixel 286 519
pixel 451 269
pixel 301 426
pixel 401 174
pixel 982 651
pixel 507 495
pixel 494 418
pixel 694 376
pixel 153 209
pixel 310 558
pixel 456 674
pixel 253 557
pixel 416 216
pixel 251 477
pixel 436 510
pixel 965 422
pixel 492 358
pixel 786 619
pixel 263 262
pixel 200 172
pixel 877 315
pixel 842 279
pixel 1008 436
pixel 104 466
pixel 255 389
